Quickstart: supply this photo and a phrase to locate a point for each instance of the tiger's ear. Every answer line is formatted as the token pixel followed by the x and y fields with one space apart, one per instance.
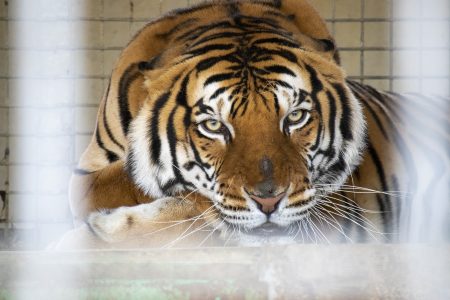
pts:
pixel 148 46
pixel 144 66
pixel 311 24
pixel 328 48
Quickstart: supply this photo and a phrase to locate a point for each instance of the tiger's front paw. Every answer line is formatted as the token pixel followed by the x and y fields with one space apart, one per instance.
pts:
pixel 119 224
pixel 109 226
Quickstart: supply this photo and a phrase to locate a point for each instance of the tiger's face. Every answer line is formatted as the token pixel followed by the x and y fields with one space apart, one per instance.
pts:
pixel 258 144
pixel 254 133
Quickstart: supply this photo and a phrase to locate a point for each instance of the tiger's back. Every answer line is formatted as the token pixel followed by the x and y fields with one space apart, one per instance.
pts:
pixel 407 158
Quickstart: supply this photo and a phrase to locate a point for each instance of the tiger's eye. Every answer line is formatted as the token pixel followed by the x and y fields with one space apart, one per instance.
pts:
pixel 295 116
pixel 213 125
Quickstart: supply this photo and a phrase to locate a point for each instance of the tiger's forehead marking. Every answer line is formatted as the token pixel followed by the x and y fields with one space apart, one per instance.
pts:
pixel 232 89
pixel 287 98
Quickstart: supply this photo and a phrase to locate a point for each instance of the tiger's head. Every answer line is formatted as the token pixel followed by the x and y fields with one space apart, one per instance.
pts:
pixel 251 116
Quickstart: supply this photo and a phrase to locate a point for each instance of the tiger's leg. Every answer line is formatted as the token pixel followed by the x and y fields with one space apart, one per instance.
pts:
pixel 108 207
pixel 163 222
pixel 107 188
pixel 153 224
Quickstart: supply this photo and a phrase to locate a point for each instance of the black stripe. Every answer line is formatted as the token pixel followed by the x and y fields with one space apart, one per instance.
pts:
pixel 198 160
pixel 182 93
pixel 376 118
pixel 257 23
pixel 198 31
pixel 317 86
pixel 211 61
pixel 288 55
pixel 203 109
pixel 328 45
pixel 331 124
pixel 205 49
pixel 300 96
pixel 172 139
pixel 130 75
pixel 280 83
pixel 280 70
pixel 240 105
pixel 397 137
pixel 276 102
pixel 219 77
pixel 290 17
pixel 176 28
pixel 155 145
pixel 105 121
pixel 279 41
pixel 218 92
pixel 346 118
pixel 361 94
pixel 244 111
pixel 338 167
pixel 384 200
pixel 150 64
pixel 219 35
pixel 111 156
pixel 396 187
pixel 192 9
pixel 183 101
pixel 265 101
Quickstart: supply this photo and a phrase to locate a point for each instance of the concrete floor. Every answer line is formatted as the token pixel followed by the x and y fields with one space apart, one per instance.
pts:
pixel 289 272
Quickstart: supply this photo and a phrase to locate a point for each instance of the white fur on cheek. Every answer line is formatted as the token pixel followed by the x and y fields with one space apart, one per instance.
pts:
pixel 144 172
pixel 359 126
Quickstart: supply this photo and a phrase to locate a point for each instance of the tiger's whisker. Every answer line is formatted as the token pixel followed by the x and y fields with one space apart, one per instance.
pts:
pixel 320 232
pixel 351 203
pixel 348 205
pixel 185 234
pixel 354 188
pixel 203 215
pixel 352 214
pixel 340 229
pixel 348 217
pixel 176 224
pixel 210 234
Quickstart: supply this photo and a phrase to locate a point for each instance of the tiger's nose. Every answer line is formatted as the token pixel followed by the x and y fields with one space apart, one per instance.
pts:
pixel 267 204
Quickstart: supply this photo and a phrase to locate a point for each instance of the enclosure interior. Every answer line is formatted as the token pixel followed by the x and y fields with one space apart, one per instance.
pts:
pixel 56 57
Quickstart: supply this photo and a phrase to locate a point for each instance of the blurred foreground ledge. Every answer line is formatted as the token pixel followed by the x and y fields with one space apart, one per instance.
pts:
pixel 278 272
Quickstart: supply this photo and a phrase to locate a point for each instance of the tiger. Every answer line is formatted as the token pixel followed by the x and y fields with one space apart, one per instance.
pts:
pixel 235 118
